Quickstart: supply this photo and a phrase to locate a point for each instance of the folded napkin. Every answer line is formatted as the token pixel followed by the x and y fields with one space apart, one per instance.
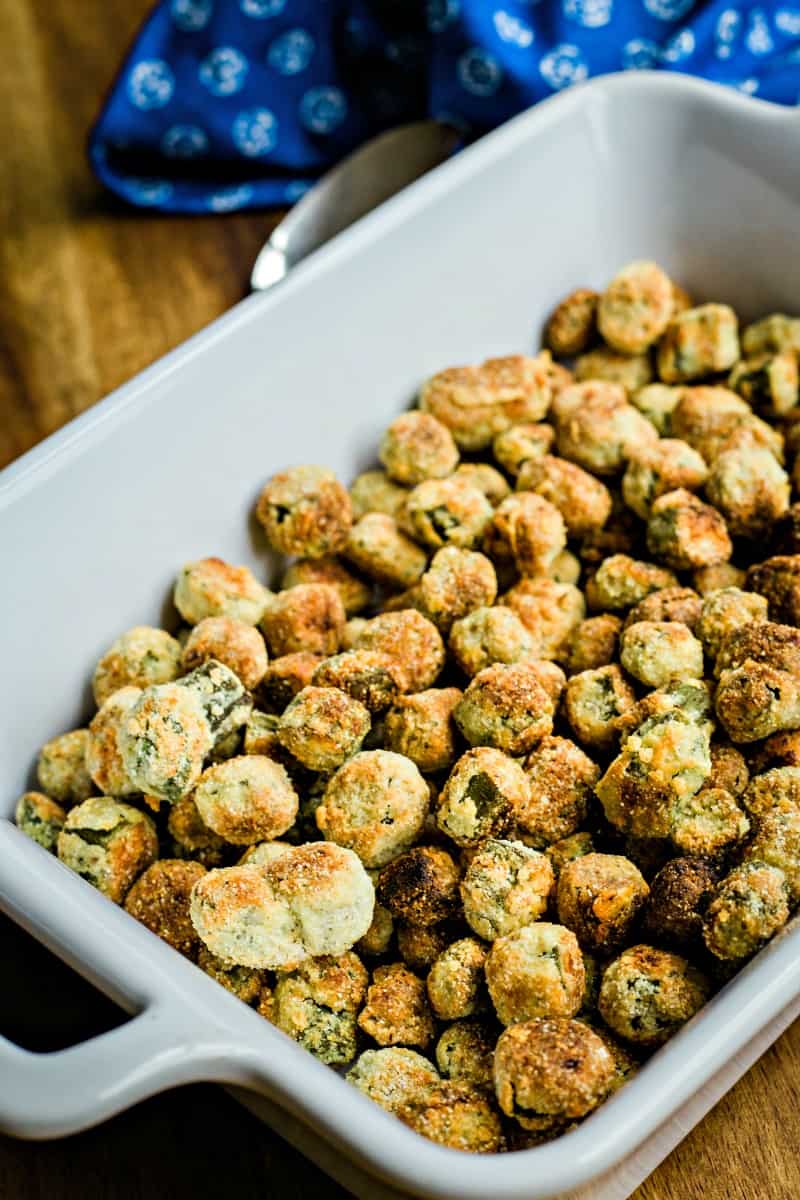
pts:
pixel 231 104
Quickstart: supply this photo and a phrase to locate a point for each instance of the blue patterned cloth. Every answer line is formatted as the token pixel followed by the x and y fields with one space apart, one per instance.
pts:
pixel 230 104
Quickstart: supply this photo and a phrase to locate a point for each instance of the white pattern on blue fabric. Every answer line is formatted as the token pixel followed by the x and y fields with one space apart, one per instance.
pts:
pixel 668 10
pixel 563 66
pixel 291 52
pixel 679 47
pixel 479 72
pixel 191 15
pixel 441 13
pixel 592 14
pixel 260 9
pixel 728 25
pixel 787 20
pixel 322 109
pixel 640 54
pixel 184 141
pixel 147 191
pixel 510 29
pixel 748 86
pixel 229 199
pixel 296 190
pixel 255 131
pixel 151 84
pixel 758 38
pixel 224 71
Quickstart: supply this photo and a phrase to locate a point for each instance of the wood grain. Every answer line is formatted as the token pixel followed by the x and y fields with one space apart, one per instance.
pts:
pixel 91 292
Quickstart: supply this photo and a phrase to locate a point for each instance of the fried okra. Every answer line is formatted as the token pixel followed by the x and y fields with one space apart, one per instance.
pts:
pixel 481 796
pixel 163 740
pixel 593 701
pixel 192 838
pixel 777 580
pixel 307 618
pixel 374 491
pixel 568 849
pixel 159 899
pixel 549 1071
pixel 40 818
pixel 647 994
pixel 529 530
pixel 768 382
pixel 416 447
pixel 724 611
pixel 756 700
pixel 245 983
pixel 456 582
pixel 372 679
pixel 323 727
pixel 749 487
pixel 772 334
pixel 421 728
pixel 679 896
pixel 709 823
pixel 630 371
pixel 420 945
pixel 721 575
pixel 583 501
pixel 517 445
pixel 536 971
pixel 376 805
pixel 490 635
pixel 656 652
pixel 506 885
pixel 685 533
pixel 597 428
pixel 61 768
pixel 247 799
pixel 455 982
pixel 234 643
pixel 376 546
pixel 658 468
pixel 776 842
pixel 550 611
pixel 108 844
pixel 750 904
pixel 315 900
pixel 656 402
pixel 285 677
pixel 593 643
pixel 448 512
pixel 668 604
pixel 507 707
pixel 478 402
pixel 621 581
pixel 355 593
pixel 316 1005
pixel 561 778
pixel 599 898
pixel 465 1052
pixel 456 1115
pixel 486 478
pixel 420 887
pixel 410 639
pixel 636 307
pixel 697 342
pixel 211 587
pixel 305 511
pixel 103 758
pixel 138 658
pixel 396 1012
pixel 392 1076
pixel 572 323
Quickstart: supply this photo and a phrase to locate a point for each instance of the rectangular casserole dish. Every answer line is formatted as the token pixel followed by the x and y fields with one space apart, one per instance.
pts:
pixel 95 522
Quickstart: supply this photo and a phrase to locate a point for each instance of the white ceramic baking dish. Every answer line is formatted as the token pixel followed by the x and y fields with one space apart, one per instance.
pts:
pixel 94 523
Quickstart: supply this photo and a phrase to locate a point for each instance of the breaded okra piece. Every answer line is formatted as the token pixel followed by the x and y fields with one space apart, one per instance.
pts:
pixel 647 994
pixel 594 701
pixel 448 512
pixel 420 887
pixel 164 739
pixel 777 579
pixel 138 658
pixel 40 818
pixel 708 823
pixel 550 611
pixel 483 793
pixel 103 758
pixel 656 652
pixel 583 501
pixel 285 677
pixel 211 587
pixel 490 635
pixel 305 511
pixel 192 838
pixel 698 341
pixel 160 898
pixel 599 898
pixel 356 594
pixel 679 896
pixel 316 1004
pixel 749 487
pixel 658 468
pixel 529 530
pixel 237 645
pixel 656 402
pixel 561 779
pixel 393 1075
pixel 478 402
pixel 61 768
pixel 396 1010
pixel 506 885
pixel 636 307
pixel 768 382
pixel 621 581
pixel 379 548
pixel 456 582
pixel 416 447
pixel 455 983
pixel 537 971
pixel 486 478
pixel 756 700
pixel 772 335
pixel 593 643
pixel 712 419
pixel 685 533
pixel 410 639
pixel 597 428
pixel 373 679
pixel 323 727
pixel 505 706
pixel 631 371
pixel 421 728
pixel 517 445
pixel 307 618
pixel 571 326
pixel 246 799
pixel 374 491
pixel 750 904
pixel 777 843
pixel 465 1052
pixel 724 611
pixel 456 1115
pixel 108 844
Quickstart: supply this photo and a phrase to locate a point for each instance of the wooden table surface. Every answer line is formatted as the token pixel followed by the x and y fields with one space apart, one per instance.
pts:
pixel 91 292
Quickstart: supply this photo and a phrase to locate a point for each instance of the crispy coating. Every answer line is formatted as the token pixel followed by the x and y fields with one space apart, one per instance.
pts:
pixel 379 548
pixel 374 680
pixel 102 755
pixel 374 491
pixel 537 971
pixel 456 582
pixel 456 1115
pixel 505 706
pixel 647 994
pixel 728 769
pixel 551 1070
pixel 721 575
pixel 518 445
pixel 138 658
pixel 506 885
pixel 378 938
pixel 632 372
pixel 455 982
pixel 761 642
pixel 621 581
pixel 777 787
pixel 594 700
pixel 568 849
pixel 583 501
pixel 756 700
pixel 192 838
pixel 224 702
pixel 599 899
pixel 305 511
pixel 668 604
pixel 596 427
pixel 478 402
pixel 392 1076
pixel 246 799
pixel 550 611
pixel 776 842
pixel 780 750
pixel 723 612
pixel 465 1052
pixel 777 579
pixel 420 887
pixel 163 739
pixel 656 652
pixel 768 382
pixel 490 635
pixel 421 728
pixel 235 644
pixel 679 896
pixel 376 805
pixel 750 904
pixel 488 479
pixel 698 341
pixel 159 899
pixel 316 1005
pixel 785 539
pixel 323 727
pixel 571 326
pixel 416 447
pixel 772 334
pixel 211 587
pixel 307 618
pixel 285 677
pixel 108 844
pixel 711 419
pixel 261 853
pixel 529 530
pixel 749 487
pixel 355 593
pixel 410 639
pixel 636 307
pixel 396 1012
pixel 708 823
pixel 664 761
pixel 481 796
pixel 448 512
pixel 593 643
pixel 245 983
pixel 561 779
pixel 61 768
pixel 685 533
pixel 315 900
pixel 661 467
pixel 40 818
pixel 420 945
pixel 657 402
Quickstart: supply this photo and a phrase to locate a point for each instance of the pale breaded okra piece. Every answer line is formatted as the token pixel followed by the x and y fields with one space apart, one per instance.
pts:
pixel 660 467
pixel 416 447
pixel 698 341
pixel 571 326
pixel 305 511
pixel 536 971
pixel 647 994
pixel 506 885
pixel 211 587
pixel 138 658
pixel 322 727
pixel 636 307
pixel 355 593
pixel 308 618
pixel 379 548
pixel 108 844
pixel 478 402
pixel 484 791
